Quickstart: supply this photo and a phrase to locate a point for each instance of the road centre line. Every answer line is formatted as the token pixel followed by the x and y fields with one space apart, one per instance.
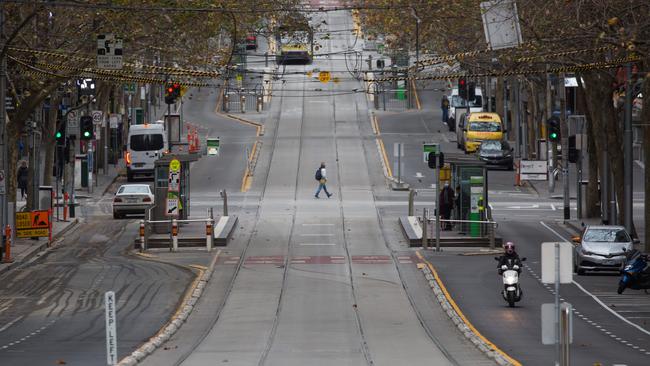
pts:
pixel 6 326
pixel 616 314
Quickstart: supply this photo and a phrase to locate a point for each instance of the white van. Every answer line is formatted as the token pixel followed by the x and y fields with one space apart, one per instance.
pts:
pixel 458 106
pixel 146 144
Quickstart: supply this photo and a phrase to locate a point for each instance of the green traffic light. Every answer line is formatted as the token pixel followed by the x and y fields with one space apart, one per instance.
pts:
pixel 87 134
pixel 553 135
pixel 58 135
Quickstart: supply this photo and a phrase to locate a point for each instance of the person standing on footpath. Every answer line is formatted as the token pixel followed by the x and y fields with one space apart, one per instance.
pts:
pixel 321 177
pixel 446 205
pixel 444 105
pixel 22 177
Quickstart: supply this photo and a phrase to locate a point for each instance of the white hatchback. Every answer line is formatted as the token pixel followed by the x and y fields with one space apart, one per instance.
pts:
pixel 132 199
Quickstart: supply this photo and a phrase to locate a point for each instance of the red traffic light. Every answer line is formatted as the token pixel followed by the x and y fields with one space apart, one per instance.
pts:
pixel 170 90
pixel 176 86
pixel 461 81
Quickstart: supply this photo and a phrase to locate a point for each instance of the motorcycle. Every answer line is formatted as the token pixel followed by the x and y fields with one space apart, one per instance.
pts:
pixel 635 273
pixel 511 290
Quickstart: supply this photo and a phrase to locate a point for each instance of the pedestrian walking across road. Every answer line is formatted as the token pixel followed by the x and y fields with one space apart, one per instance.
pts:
pixel 321 177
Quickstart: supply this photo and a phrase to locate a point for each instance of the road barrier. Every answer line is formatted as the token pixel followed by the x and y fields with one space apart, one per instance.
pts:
pixel 7 258
pixel 174 234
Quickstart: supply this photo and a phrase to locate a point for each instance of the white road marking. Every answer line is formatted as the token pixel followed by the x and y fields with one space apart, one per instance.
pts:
pixel 6 326
pixel 621 317
pixel 419 175
pixel 553 207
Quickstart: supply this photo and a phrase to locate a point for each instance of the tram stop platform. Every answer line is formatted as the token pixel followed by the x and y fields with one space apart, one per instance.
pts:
pixel 192 234
pixel 461 234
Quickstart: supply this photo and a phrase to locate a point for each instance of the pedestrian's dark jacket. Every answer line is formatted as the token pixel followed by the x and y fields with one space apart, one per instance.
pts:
pixel 447 197
pixel 509 260
pixel 444 103
pixel 22 175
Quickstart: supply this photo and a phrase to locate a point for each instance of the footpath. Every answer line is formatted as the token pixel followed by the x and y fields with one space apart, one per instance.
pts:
pixel 24 249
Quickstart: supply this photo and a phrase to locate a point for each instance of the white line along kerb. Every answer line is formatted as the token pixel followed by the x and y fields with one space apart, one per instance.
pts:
pixel 111 328
pixel 596 299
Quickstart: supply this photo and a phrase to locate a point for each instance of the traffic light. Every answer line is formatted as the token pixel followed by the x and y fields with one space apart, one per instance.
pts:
pixel 553 129
pixel 86 128
pixel 471 91
pixel 462 88
pixel 60 133
pixel 574 152
pixel 172 91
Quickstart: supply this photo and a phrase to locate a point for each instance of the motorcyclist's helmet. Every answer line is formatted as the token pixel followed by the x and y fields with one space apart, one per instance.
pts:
pixel 509 248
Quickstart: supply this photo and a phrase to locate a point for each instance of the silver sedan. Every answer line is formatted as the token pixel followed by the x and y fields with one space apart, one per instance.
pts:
pixel 601 248
pixel 132 199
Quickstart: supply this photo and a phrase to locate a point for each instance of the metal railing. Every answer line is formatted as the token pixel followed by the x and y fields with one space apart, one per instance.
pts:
pixel 174 229
pixel 482 228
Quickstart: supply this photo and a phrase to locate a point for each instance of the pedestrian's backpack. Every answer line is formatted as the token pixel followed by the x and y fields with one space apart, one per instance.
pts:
pixel 319 174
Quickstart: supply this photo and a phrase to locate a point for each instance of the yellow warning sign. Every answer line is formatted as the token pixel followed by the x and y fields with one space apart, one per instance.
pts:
pixel 324 76
pixel 32 233
pixel 175 166
pixel 23 220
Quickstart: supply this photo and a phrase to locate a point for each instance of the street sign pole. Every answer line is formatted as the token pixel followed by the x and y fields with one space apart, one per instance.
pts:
pixel 557 304
pixel 437 180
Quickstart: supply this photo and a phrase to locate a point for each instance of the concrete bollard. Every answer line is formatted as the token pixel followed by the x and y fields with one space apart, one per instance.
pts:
pixel 226 103
pixel 425 224
pixel 174 235
pixel 142 243
pixel 412 194
pixel 208 233
pixel 242 103
pixel 260 104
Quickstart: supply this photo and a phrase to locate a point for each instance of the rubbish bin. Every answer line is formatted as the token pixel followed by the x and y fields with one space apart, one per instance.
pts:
pixel 45 197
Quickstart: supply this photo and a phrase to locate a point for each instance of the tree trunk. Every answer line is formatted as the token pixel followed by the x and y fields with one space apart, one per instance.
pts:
pixel 499 96
pixel 49 140
pixel 593 195
pixel 530 119
pixel 645 121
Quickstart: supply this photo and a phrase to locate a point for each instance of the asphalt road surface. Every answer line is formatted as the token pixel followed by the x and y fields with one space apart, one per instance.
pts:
pixel 52 310
pixel 313 280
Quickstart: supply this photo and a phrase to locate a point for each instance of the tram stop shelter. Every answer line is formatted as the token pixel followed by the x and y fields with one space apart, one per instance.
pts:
pixel 471 219
pixel 160 211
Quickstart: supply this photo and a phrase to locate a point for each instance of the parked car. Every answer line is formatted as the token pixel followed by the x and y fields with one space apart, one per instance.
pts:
pixel 132 199
pixel 496 153
pixel 601 248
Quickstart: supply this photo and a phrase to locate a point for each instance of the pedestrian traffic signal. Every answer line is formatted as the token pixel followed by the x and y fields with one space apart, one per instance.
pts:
pixel 462 88
pixel 553 129
pixel 86 128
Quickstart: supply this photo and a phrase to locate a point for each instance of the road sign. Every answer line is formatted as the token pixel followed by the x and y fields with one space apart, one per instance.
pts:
pixel 174 181
pixel 86 86
pixel 548 322
pixel 173 204
pixel 114 120
pixel 32 224
pixel 73 119
pixel 109 52
pixel 428 147
pixel 324 76
pixel 533 170
pixel 213 146
pixel 175 166
pixel 129 88
pixel 111 328
pixel 97 117
pixel 549 265
pixel 3 182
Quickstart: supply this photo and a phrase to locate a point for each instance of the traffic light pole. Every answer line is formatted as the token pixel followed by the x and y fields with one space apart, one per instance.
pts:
pixel 627 146
pixel 564 135
pixel 3 113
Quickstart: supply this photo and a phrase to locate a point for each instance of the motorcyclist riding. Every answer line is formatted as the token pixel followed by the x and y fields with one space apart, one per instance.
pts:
pixel 509 258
